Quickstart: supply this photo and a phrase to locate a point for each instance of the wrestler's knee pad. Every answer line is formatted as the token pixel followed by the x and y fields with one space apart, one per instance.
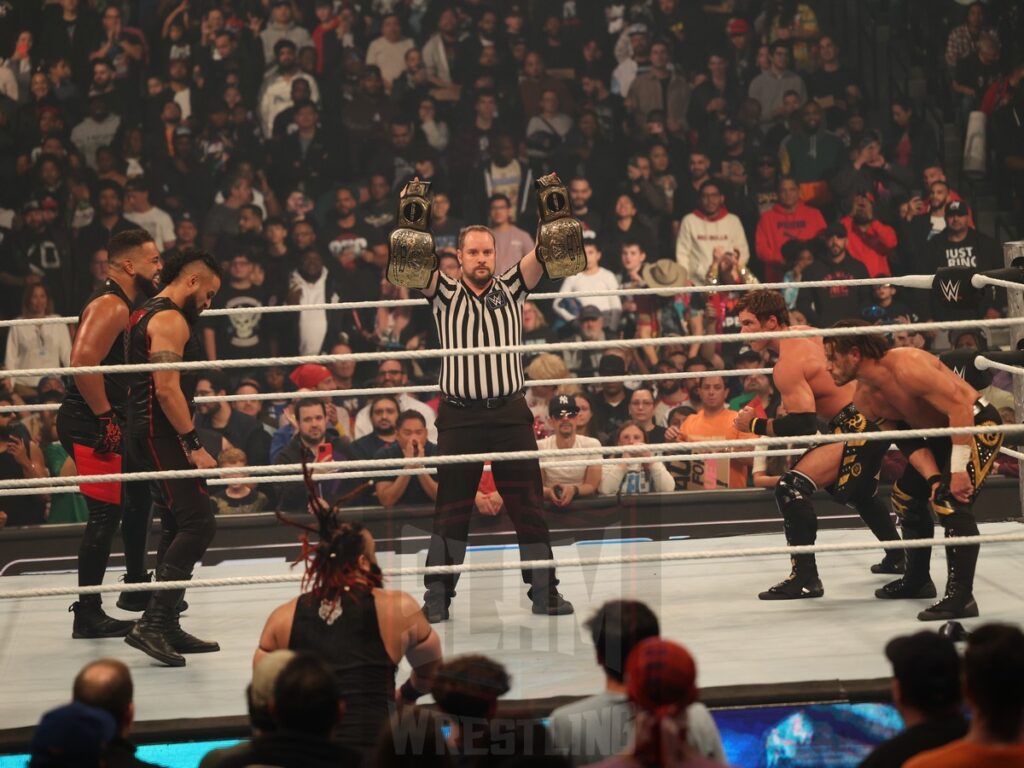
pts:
pixel 793 496
pixel 793 487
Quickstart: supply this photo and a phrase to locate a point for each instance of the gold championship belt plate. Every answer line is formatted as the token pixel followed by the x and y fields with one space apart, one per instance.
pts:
pixel 411 257
pixel 560 236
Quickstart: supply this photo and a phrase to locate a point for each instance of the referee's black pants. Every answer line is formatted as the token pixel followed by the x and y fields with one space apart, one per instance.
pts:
pixel 476 430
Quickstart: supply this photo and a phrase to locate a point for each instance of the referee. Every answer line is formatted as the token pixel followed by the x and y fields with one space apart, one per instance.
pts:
pixel 483 409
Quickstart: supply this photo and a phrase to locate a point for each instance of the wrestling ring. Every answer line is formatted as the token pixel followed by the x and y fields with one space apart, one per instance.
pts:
pixel 699 559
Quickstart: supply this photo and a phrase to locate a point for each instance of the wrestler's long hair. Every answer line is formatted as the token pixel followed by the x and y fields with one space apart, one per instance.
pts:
pixel 332 561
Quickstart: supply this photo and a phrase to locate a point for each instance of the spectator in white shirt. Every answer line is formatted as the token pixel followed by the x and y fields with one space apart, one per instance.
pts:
pixel 641 474
pixel 36 346
pixel 276 94
pixel 593 278
pixel 563 484
pixel 708 234
pixel 388 51
pixel 156 221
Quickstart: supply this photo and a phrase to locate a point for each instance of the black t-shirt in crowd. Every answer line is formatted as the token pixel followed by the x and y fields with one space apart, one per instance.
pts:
pixel 825 306
pixel 357 238
pixel 977 253
pixel 242 335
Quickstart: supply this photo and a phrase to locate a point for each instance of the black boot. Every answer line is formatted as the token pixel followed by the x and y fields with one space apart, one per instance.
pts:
pixel 958 602
pixel 139 601
pixel 435 606
pixel 799 585
pixel 154 632
pixel 916 582
pixel 151 634
pixel 91 621
pixel 181 640
pixel 549 602
pixel 907 589
pixel 894 562
pixel 874 512
pixel 135 601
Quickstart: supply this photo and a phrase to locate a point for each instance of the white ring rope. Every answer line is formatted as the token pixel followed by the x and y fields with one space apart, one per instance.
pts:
pixel 576 562
pixel 982 363
pixel 907 281
pixel 424 388
pixel 1012 453
pixel 281 469
pixel 980 281
pixel 420 354
pixel 326 475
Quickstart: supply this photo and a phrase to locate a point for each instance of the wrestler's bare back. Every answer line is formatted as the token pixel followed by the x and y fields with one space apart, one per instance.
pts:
pixel 805 358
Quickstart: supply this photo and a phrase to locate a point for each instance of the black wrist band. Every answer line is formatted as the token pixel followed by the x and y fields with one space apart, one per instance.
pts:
pixel 106 414
pixel 408 692
pixel 191 441
pixel 934 480
pixel 759 427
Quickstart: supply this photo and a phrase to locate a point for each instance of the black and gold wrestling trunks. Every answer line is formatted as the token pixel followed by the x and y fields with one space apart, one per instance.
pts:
pixel 984 447
pixel 861 462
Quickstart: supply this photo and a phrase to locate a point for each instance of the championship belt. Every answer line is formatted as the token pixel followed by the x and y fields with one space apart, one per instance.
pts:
pixel 560 236
pixel 411 257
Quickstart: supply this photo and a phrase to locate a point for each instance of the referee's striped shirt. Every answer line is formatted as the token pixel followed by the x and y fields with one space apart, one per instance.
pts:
pixel 494 319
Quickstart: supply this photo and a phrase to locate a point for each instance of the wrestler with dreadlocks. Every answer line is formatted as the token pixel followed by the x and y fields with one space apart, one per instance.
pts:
pixel 346 617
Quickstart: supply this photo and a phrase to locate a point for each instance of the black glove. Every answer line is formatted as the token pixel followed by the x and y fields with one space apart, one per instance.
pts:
pixel 109 438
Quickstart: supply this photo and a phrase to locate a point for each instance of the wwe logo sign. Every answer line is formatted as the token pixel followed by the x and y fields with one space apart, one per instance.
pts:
pixel 950 290
pixel 960 371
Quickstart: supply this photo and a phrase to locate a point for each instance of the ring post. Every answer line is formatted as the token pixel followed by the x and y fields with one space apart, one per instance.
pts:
pixel 1015 306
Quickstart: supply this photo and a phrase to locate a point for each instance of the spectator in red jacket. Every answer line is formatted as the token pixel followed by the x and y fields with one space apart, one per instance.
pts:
pixel 789 219
pixel 870 241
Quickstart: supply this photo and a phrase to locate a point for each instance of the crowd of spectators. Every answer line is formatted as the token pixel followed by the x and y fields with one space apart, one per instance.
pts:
pixel 718 142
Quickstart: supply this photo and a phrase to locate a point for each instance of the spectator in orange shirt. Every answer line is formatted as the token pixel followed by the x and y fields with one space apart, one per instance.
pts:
pixel 789 219
pixel 714 421
pixel 869 241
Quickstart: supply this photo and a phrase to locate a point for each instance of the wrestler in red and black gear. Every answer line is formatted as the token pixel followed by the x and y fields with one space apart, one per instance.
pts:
pixel 89 424
pixel 160 409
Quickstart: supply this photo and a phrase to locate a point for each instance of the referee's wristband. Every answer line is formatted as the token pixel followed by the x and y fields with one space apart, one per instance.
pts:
pixel 759 426
pixel 191 441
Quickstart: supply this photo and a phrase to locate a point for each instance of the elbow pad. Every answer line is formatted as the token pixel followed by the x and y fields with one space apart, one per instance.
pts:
pixel 793 424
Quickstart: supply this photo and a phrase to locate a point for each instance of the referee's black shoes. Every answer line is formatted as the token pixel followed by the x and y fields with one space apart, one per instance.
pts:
pixel 549 603
pixel 435 607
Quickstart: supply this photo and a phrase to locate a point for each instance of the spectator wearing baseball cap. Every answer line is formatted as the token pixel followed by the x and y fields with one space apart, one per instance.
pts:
pixel 926 691
pixel 824 306
pixel 961 246
pixel 563 484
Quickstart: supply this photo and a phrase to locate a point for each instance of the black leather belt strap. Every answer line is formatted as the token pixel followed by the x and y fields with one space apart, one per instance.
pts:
pixel 487 404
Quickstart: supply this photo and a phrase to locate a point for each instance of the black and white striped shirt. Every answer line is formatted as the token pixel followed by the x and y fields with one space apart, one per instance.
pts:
pixel 494 319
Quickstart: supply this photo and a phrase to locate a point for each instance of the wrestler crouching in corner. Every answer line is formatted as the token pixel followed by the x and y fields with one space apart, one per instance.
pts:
pixel 909 388
pixel 160 410
pixel 90 423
